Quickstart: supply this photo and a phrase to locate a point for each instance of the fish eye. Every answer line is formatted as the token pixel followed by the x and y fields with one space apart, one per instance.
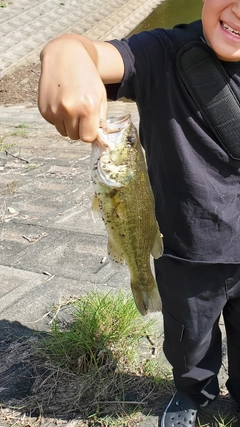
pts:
pixel 131 139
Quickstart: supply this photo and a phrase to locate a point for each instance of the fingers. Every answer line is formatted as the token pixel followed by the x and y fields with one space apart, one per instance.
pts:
pixel 72 95
pixel 78 120
pixel 89 125
pixel 61 128
pixel 88 128
pixel 76 125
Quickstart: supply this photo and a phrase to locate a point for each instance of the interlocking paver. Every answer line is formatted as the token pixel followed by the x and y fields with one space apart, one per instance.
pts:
pixel 26 26
pixel 52 201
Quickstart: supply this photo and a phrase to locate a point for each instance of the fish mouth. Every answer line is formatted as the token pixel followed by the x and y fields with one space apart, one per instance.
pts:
pixel 112 125
pixel 101 142
pixel 110 128
pixel 229 29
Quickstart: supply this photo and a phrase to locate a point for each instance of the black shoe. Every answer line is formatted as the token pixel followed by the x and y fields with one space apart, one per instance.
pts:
pixel 180 412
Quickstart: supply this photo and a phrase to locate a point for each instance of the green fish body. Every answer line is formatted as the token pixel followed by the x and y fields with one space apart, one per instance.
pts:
pixel 126 203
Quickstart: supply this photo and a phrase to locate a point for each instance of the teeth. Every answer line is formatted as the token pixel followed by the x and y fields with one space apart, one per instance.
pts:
pixel 230 29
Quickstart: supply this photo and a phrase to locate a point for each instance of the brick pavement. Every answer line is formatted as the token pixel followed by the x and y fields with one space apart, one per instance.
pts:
pixel 27 25
pixel 47 194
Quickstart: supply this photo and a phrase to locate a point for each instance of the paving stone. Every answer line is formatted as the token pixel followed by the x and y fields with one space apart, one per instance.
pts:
pixel 20 21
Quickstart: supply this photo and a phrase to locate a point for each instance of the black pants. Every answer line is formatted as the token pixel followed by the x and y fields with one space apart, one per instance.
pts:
pixel 193 298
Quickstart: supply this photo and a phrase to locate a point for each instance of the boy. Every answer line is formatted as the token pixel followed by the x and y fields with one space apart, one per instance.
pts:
pixel 195 181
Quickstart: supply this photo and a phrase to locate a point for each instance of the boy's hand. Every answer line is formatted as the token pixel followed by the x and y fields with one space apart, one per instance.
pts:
pixel 72 95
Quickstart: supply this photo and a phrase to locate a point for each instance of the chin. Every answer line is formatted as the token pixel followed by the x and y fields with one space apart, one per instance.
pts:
pixel 226 54
pixel 225 51
pixel 229 57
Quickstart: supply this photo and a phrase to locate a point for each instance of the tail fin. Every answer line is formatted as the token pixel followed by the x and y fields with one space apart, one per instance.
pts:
pixel 147 298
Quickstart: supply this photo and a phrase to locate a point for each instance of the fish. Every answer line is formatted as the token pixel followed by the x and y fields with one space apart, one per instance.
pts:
pixel 124 198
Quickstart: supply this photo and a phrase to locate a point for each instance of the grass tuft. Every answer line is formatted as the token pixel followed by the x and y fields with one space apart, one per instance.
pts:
pixel 223 421
pixel 4 146
pixel 106 329
pixel 98 365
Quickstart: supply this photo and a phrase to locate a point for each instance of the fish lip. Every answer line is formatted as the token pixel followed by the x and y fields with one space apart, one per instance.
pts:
pixel 101 143
pixel 112 125
pixel 110 138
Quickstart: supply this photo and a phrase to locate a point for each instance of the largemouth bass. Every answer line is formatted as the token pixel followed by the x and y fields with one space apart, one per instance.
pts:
pixel 124 197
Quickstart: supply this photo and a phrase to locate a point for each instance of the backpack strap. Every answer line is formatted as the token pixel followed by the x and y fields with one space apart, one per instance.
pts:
pixel 208 84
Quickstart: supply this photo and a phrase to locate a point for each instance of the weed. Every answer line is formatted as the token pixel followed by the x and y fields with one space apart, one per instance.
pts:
pixel 4 4
pixel 3 145
pixel 219 421
pixel 32 166
pixel 223 422
pixel 21 126
pixel 155 369
pixel 104 327
pixel 98 358
pixel 22 133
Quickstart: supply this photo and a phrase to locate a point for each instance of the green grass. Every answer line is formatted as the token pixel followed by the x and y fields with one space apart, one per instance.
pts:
pixel 20 132
pixel 220 421
pixel 4 4
pixel 21 126
pixel 223 421
pixel 4 146
pixel 105 327
pixel 98 361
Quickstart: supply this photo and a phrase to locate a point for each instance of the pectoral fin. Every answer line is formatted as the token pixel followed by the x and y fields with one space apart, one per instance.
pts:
pixel 95 203
pixel 114 254
pixel 157 249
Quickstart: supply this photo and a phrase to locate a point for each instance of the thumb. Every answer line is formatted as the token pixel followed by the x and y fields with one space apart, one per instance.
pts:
pixel 103 109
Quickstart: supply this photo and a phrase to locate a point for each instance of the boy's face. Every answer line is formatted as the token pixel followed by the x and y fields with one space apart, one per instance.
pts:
pixel 221 27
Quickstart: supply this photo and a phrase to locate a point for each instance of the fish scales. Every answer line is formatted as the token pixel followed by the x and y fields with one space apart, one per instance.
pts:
pixel 126 204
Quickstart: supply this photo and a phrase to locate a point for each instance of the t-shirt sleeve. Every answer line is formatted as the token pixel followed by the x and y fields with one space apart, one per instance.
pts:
pixel 146 58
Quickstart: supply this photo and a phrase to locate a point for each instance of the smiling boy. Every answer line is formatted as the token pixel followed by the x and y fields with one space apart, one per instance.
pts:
pixel 221 28
pixel 195 180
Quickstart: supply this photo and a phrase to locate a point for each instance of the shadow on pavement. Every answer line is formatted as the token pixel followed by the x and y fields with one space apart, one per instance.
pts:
pixel 29 385
pixel 17 372
pixel 21 369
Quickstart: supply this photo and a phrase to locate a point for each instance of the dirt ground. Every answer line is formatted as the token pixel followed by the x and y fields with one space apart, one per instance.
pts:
pixel 20 86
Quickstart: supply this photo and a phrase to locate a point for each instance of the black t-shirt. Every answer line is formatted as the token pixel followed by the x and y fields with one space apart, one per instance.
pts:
pixel 195 183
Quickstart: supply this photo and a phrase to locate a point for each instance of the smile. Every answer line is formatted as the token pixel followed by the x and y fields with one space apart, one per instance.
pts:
pixel 230 29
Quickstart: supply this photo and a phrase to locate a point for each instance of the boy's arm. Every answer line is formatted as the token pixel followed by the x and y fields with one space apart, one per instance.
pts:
pixel 72 95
